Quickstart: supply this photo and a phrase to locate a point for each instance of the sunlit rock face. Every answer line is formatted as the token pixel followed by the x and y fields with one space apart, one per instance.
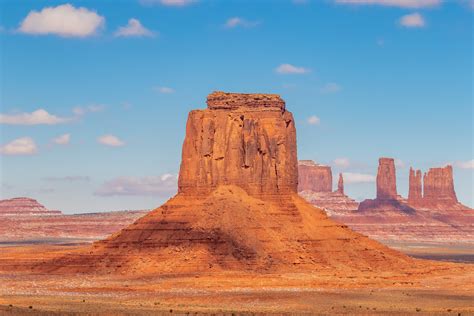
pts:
pixel 248 140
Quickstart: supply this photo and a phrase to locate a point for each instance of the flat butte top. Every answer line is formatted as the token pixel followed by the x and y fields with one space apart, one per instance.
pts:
pixel 231 101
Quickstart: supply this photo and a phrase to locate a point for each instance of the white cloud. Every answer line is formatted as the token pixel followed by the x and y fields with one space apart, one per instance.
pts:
pixel 110 140
pixel 331 87
pixel 168 3
pixel 68 178
pixel 64 20
pixel 162 186
pixel 62 139
pixel 19 146
pixel 465 164
pixel 350 177
pixel 37 117
pixel 290 69
pixel 134 29
pixel 313 120
pixel 394 3
pixel 236 21
pixel 165 90
pixel 342 162
pixel 93 108
pixel 412 20
pixel 399 163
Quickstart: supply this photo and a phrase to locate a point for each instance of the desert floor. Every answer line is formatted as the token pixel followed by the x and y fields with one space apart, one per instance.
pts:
pixel 443 288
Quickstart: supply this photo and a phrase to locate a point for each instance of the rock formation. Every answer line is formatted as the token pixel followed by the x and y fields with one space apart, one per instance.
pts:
pixel 248 140
pixel 438 186
pixel 314 177
pixel 23 206
pixel 387 197
pixel 340 184
pixel 315 186
pixel 432 216
pixel 386 180
pixel 415 190
pixel 236 208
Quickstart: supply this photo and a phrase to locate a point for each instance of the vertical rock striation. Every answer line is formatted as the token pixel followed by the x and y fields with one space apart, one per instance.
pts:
pixel 248 140
pixel 415 190
pixel 386 179
pixel 314 177
pixel 439 185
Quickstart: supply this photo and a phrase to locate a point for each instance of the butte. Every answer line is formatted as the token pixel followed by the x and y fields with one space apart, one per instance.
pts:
pixel 237 207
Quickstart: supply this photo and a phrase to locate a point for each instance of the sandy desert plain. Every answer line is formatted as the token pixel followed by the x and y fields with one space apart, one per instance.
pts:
pixel 236 239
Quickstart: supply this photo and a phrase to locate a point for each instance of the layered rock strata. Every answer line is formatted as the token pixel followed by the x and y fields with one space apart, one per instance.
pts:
pixel 315 186
pixel 24 220
pixel 236 208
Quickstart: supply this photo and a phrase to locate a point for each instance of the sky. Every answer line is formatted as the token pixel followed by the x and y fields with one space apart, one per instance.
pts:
pixel 94 95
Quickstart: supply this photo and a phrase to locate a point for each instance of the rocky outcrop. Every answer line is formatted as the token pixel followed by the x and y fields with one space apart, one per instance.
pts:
pixel 236 208
pixel 314 177
pixel 386 180
pixel 23 206
pixel 434 216
pixel 315 186
pixel 247 140
pixel 387 197
pixel 438 187
pixel 415 190
pixel 340 184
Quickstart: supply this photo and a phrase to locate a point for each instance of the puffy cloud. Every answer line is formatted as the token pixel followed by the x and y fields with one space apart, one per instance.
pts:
pixel 165 90
pixel 67 179
pixel 168 3
pixel 38 117
pixel 394 3
pixel 290 69
pixel 350 177
pixel 236 22
pixel 313 120
pixel 62 139
pixel 342 162
pixel 161 186
pixel 19 146
pixel 110 140
pixel 64 20
pixel 465 164
pixel 133 29
pixel 331 87
pixel 412 20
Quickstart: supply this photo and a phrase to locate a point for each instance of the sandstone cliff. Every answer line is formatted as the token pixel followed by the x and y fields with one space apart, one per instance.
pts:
pixel 386 180
pixel 314 177
pixel 415 190
pixel 241 139
pixel 340 184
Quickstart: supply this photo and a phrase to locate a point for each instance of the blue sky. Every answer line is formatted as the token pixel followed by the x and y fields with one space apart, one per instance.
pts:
pixel 94 111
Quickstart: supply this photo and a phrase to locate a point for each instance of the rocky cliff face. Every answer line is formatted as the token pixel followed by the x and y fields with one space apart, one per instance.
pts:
pixel 387 197
pixel 315 186
pixel 248 140
pixel 314 177
pixel 415 190
pixel 386 179
pixel 439 185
